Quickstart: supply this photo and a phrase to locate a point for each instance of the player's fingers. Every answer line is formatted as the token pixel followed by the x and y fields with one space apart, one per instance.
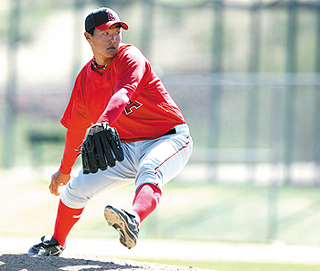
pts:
pixel 95 128
pixel 50 188
pixel 54 188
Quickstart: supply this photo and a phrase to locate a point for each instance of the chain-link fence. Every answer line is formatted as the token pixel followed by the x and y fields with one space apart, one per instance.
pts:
pixel 245 74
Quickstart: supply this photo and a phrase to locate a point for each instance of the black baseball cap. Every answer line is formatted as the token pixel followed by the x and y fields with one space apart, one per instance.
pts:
pixel 102 19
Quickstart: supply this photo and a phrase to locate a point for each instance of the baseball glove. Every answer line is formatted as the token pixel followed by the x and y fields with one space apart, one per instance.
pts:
pixel 101 149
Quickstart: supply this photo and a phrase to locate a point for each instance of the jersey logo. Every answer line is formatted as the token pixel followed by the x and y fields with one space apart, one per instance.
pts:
pixel 130 106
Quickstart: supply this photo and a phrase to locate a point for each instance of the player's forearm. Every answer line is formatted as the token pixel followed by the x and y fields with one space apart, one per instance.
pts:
pixel 115 106
pixel 73 140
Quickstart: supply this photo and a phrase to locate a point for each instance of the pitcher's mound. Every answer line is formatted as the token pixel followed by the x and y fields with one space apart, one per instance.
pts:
pixel 23 262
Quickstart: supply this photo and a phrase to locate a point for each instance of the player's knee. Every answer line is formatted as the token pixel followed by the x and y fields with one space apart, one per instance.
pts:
pixel 74 197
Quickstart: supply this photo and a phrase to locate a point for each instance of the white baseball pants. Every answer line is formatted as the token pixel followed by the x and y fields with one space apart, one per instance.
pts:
pixel 154 161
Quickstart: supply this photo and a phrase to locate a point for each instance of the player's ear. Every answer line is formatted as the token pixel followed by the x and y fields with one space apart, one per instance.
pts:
pixel 87 36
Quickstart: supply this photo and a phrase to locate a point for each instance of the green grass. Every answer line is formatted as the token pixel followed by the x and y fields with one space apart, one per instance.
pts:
pixel 209 212
pixel 237 266
pixel 218 212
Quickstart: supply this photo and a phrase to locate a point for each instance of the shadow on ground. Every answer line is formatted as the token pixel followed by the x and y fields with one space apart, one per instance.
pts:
pixel 19 262
pixel 23 262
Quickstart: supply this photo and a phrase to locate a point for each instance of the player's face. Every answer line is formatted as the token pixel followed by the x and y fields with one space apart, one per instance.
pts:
pixel 105 43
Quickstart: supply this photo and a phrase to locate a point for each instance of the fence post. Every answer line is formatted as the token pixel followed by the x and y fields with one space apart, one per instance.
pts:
pixel 255 31
pixel 9 153
pixel 217 39
pixel 147 28
pixel 290 91
pixel 316 126
pixel 216 93
pixel 78 40
pixel 254 91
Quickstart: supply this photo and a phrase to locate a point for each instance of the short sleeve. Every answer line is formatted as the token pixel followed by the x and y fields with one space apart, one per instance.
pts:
pixel 76 116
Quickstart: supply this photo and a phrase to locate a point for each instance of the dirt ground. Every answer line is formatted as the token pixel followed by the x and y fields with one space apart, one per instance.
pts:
pixel 23 262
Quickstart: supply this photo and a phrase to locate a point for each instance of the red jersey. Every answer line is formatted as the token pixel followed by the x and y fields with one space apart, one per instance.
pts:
pixel 151 111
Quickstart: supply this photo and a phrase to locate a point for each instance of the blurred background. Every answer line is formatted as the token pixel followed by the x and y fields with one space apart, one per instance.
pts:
pixel 245 74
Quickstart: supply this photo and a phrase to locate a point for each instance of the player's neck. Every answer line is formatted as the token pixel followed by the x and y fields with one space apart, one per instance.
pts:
pixel 98 66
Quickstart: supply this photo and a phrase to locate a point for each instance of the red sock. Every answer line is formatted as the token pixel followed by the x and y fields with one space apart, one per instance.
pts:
pixel 66 218
pixel 146 200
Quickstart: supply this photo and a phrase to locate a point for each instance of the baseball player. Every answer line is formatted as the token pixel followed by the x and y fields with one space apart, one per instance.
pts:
pixel 117 87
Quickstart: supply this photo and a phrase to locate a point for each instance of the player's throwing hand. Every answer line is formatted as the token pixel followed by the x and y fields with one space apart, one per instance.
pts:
pixel 58 180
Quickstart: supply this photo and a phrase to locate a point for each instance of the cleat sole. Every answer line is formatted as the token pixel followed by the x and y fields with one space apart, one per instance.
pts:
pixel 116 221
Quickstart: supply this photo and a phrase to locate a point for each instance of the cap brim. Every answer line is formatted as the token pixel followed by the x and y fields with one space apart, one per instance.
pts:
pixel 107 25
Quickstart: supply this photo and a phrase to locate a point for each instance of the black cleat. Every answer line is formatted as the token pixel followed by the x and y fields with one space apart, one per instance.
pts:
pixel 48 247
pixel 124 223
